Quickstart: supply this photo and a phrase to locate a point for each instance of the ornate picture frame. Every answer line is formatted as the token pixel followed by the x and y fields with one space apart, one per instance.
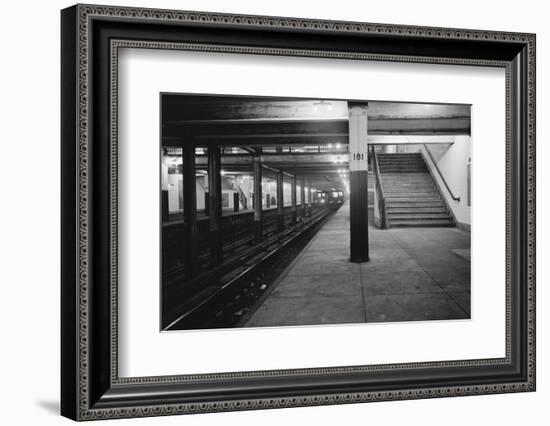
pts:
pixel 91 37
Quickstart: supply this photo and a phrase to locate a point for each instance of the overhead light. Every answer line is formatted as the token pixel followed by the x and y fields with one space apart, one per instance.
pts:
pixel 323 105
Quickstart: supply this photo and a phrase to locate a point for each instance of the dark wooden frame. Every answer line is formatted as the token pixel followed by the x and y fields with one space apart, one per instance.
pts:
pixel 90 386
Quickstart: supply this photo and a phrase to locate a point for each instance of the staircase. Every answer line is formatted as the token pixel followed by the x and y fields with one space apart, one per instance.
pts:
pixel 411 196
pixel 242 197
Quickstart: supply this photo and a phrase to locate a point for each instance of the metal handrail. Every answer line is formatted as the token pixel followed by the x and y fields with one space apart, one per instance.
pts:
pixel 378 184
pixel 440 174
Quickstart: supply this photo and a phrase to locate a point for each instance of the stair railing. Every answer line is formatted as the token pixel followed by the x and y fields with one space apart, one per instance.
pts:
pixel 379 190
pixel 242 197
pixel 456 198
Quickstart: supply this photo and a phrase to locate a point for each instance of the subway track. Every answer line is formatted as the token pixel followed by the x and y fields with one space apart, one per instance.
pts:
pixel 226 299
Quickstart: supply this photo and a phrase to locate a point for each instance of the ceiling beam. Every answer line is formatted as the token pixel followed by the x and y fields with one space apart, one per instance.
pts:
pixel 219 107
pixel 193 107
pixel 298 131
pixel 289 159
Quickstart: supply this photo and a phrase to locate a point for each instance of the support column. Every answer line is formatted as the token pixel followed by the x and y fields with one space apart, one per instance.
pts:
pixel 303 197
pixel 308 197
pixel 258 231
pixel 280 202
pixel 190 209
pixel 164 186
pixel 294 208
pixel 358 166
pixel 215 205
pixel 164 205
pixel 236 202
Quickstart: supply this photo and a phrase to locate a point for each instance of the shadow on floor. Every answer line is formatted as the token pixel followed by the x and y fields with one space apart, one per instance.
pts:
pixel 51 407
pixel 414 274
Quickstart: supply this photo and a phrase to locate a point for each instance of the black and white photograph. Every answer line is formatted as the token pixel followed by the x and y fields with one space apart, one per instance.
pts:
pixel 283 212
pixel 272 210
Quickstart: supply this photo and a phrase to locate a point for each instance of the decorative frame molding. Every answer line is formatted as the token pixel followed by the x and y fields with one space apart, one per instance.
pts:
pixel 91 37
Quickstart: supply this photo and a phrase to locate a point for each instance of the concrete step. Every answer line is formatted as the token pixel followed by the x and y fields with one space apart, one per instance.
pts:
pixel 407 181
pixel 385 168
pixel 395 169
pixel 395 188
pixel 429 186
pixel 420 223
pixel 399 183
pixel 415 209
pixel 412 175
pixel 402 165
pixel 413 202
pixel 428 210
pixel 407 176
pixel 409 191
pixel 412 195
pixel 408 186
pixel 400 155
pixel 436 204
pixel 390 161
pixel 418 216
pixel 401 161
pixel 396 183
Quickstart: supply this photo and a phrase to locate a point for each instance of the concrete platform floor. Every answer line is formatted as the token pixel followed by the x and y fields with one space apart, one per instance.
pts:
pixel 414 274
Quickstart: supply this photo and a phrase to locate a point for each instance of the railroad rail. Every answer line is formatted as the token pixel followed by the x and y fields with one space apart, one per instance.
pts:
pixel 222 296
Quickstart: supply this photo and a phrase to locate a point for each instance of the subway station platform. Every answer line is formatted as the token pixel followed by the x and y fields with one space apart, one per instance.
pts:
pixel 414 274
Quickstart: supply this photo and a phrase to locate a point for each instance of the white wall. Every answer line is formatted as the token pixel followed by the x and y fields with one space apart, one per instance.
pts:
pixel 452 161
pixel 287 194
pixel 29 310
pixel 453 165
pixel 175 191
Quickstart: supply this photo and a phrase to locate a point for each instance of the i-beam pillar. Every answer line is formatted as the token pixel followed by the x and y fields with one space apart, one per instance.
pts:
pixel 258 232
pixel 293 199
pixel 358 166
pixel 280 203
pixel 309 197
pixel 215 204
pixel 303 197
pixel 190 209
